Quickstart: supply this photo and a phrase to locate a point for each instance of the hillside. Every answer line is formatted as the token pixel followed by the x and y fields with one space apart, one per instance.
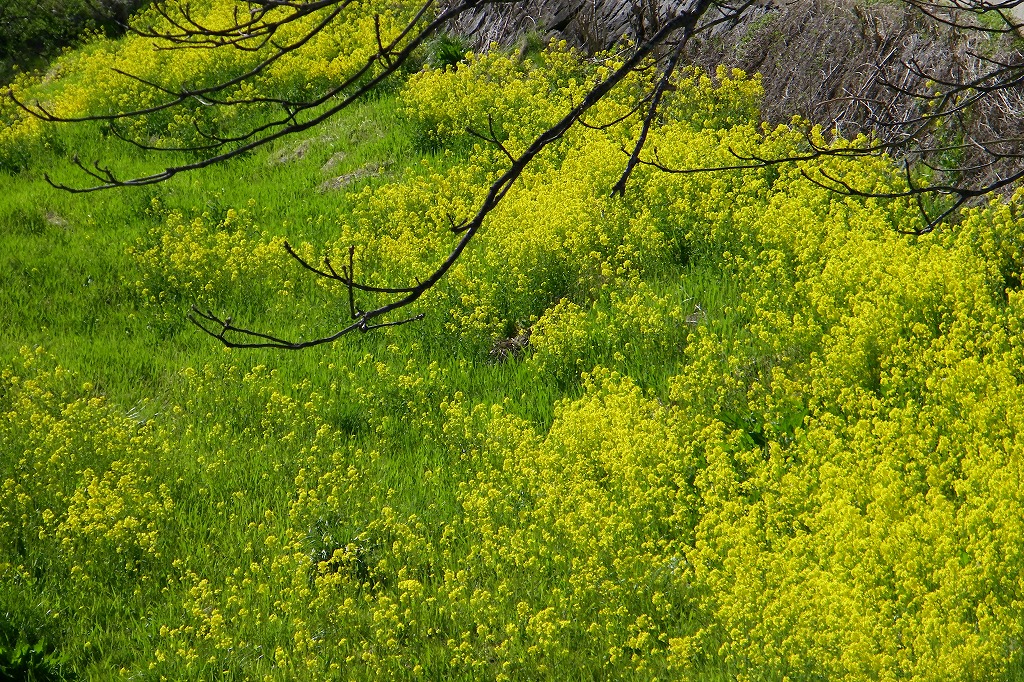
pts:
pixel 729 426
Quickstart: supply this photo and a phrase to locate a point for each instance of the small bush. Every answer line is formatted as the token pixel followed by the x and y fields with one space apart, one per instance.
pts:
pixel 447 50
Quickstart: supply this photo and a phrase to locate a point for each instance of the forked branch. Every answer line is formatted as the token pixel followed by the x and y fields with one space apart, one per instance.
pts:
pixel 681 28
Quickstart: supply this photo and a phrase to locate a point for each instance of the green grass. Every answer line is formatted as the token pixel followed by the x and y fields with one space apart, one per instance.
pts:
pixel 400 498
pixel 67 284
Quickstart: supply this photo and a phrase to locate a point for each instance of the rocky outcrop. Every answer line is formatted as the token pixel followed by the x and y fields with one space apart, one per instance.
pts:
pixel 592 25
pixel 849 65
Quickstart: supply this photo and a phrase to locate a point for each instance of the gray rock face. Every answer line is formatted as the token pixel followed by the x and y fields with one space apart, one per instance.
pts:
pixel 592 25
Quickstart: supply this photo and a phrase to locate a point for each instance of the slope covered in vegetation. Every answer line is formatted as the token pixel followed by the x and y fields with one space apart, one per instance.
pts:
pixel 758 431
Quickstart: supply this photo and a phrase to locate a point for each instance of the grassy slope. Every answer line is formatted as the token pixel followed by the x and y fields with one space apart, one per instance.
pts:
pixel 235 429
pixel 68 285
pixel 69 277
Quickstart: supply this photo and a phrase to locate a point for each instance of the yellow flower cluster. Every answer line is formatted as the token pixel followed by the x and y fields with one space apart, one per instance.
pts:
pixel 558 234
pixel 118 514
pixel 354 585
pixel 117 76
pixel 78 499
pixel 514 99
pixel 842 526
pixel 204 260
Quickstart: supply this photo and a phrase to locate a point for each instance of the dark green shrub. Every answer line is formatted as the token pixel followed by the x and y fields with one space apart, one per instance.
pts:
pixel 31 31
pixel 22 660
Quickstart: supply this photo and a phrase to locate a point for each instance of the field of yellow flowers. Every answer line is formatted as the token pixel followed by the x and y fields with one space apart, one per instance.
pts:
pixel 759 433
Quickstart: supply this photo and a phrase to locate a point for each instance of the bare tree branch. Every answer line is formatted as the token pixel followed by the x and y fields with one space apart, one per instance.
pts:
pixel 915 136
